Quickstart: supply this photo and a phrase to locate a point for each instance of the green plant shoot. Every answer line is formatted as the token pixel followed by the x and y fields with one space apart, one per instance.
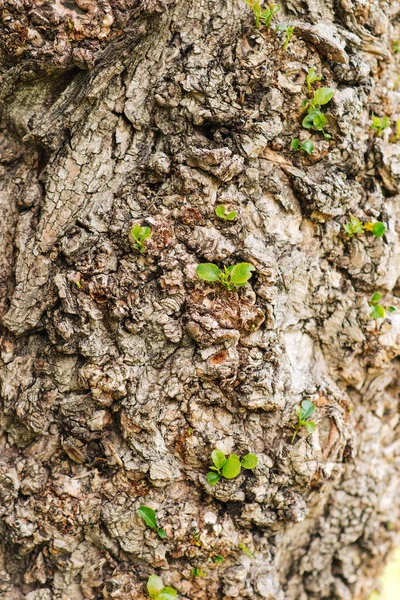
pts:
pixel 303 413
pixel 221 213
pixel 315 118
pixel 306 146
pixel 139 235
pixel 150 518
pixel 289 33
pixel 230 278
pixel 312 77
pixel 158 591
pixel 356 227
pixel 378 310
pixel 266 15
pixel 230 467
pixel 379 124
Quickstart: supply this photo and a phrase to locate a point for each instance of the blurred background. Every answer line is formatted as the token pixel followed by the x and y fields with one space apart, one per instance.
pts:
pixel 390 580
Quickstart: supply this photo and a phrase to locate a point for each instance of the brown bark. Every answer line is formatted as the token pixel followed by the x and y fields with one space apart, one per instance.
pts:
pixel 120 372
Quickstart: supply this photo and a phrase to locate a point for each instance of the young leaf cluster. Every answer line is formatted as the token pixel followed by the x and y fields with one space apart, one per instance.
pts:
pixel 379 311
pixel 230 278
pixel 230 467
pixel 303 413
pixel 139 235
pixel 356 227
pixel 221 213
pixel 379 124
pixel 306 146
pixel 150 518
pixel 312 77
pixel 157 590
pixel 314 118
pixel 289 32
pixel 261 14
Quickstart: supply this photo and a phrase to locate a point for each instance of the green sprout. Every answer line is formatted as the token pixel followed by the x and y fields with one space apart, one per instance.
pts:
pixel 315 118
pixel 312 77
pixel 218 559
pixel 356 227
pixel 396 46
pixel 303 413
pixel 158 591
pixel 245 549
pixel 150 518
pixel 306 146
pixel 221 213
pixel 379 124
pixel 266 15
pixel 230 278
pixel 140 234
pixel 230 467
pixel 198 572
pixel 379 311
pixel 289 33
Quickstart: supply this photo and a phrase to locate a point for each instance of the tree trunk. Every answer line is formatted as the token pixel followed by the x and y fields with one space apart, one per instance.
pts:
pixel 121 370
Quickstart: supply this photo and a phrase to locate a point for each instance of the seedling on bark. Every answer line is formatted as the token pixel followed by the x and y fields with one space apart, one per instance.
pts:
pixel 379 311
pixel 356 227
pixel 289 33
pixel 315 119
pixel 306 146
pixel 140 235
pixel 303 413
pixel 157 590
pixel 379 124
pixel 266 15
pixel 218 559
pixel 230 467
pixel 312 77
pixel 396 46
pixel 230 278
pixel 150 518
pixel 245 549
pixel 221 213
pixel 198 572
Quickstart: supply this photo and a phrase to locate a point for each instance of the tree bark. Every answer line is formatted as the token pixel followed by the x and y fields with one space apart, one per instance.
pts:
pixel 121 371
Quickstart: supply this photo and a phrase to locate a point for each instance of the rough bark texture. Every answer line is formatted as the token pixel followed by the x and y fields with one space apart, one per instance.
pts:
pixel 120 372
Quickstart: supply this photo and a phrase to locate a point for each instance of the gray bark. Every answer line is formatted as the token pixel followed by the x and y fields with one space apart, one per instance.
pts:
pixel 120 372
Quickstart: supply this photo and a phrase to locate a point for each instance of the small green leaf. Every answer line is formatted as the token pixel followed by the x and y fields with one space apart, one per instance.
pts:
pixel 220 211
pixel 378 229
pixel 231 468
pixel 246 550
pixel 308 120
pixel 212 477
pixel 378 312
pixel 307 409
pixel 208 272
pixel 310 426
pixel 250 461
pixel 149 516
pixel 162 533
pixel 319 121
pixel 391 309
pixel 375 298
pixel 168 593
pixel 218 559
pixel 154 586
pixel 307 146
pixel 295 144
pixel 241 273
pixel 231 215
pixel 235 456
pixel 218 458
pixel 304 103
pixel 322 96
